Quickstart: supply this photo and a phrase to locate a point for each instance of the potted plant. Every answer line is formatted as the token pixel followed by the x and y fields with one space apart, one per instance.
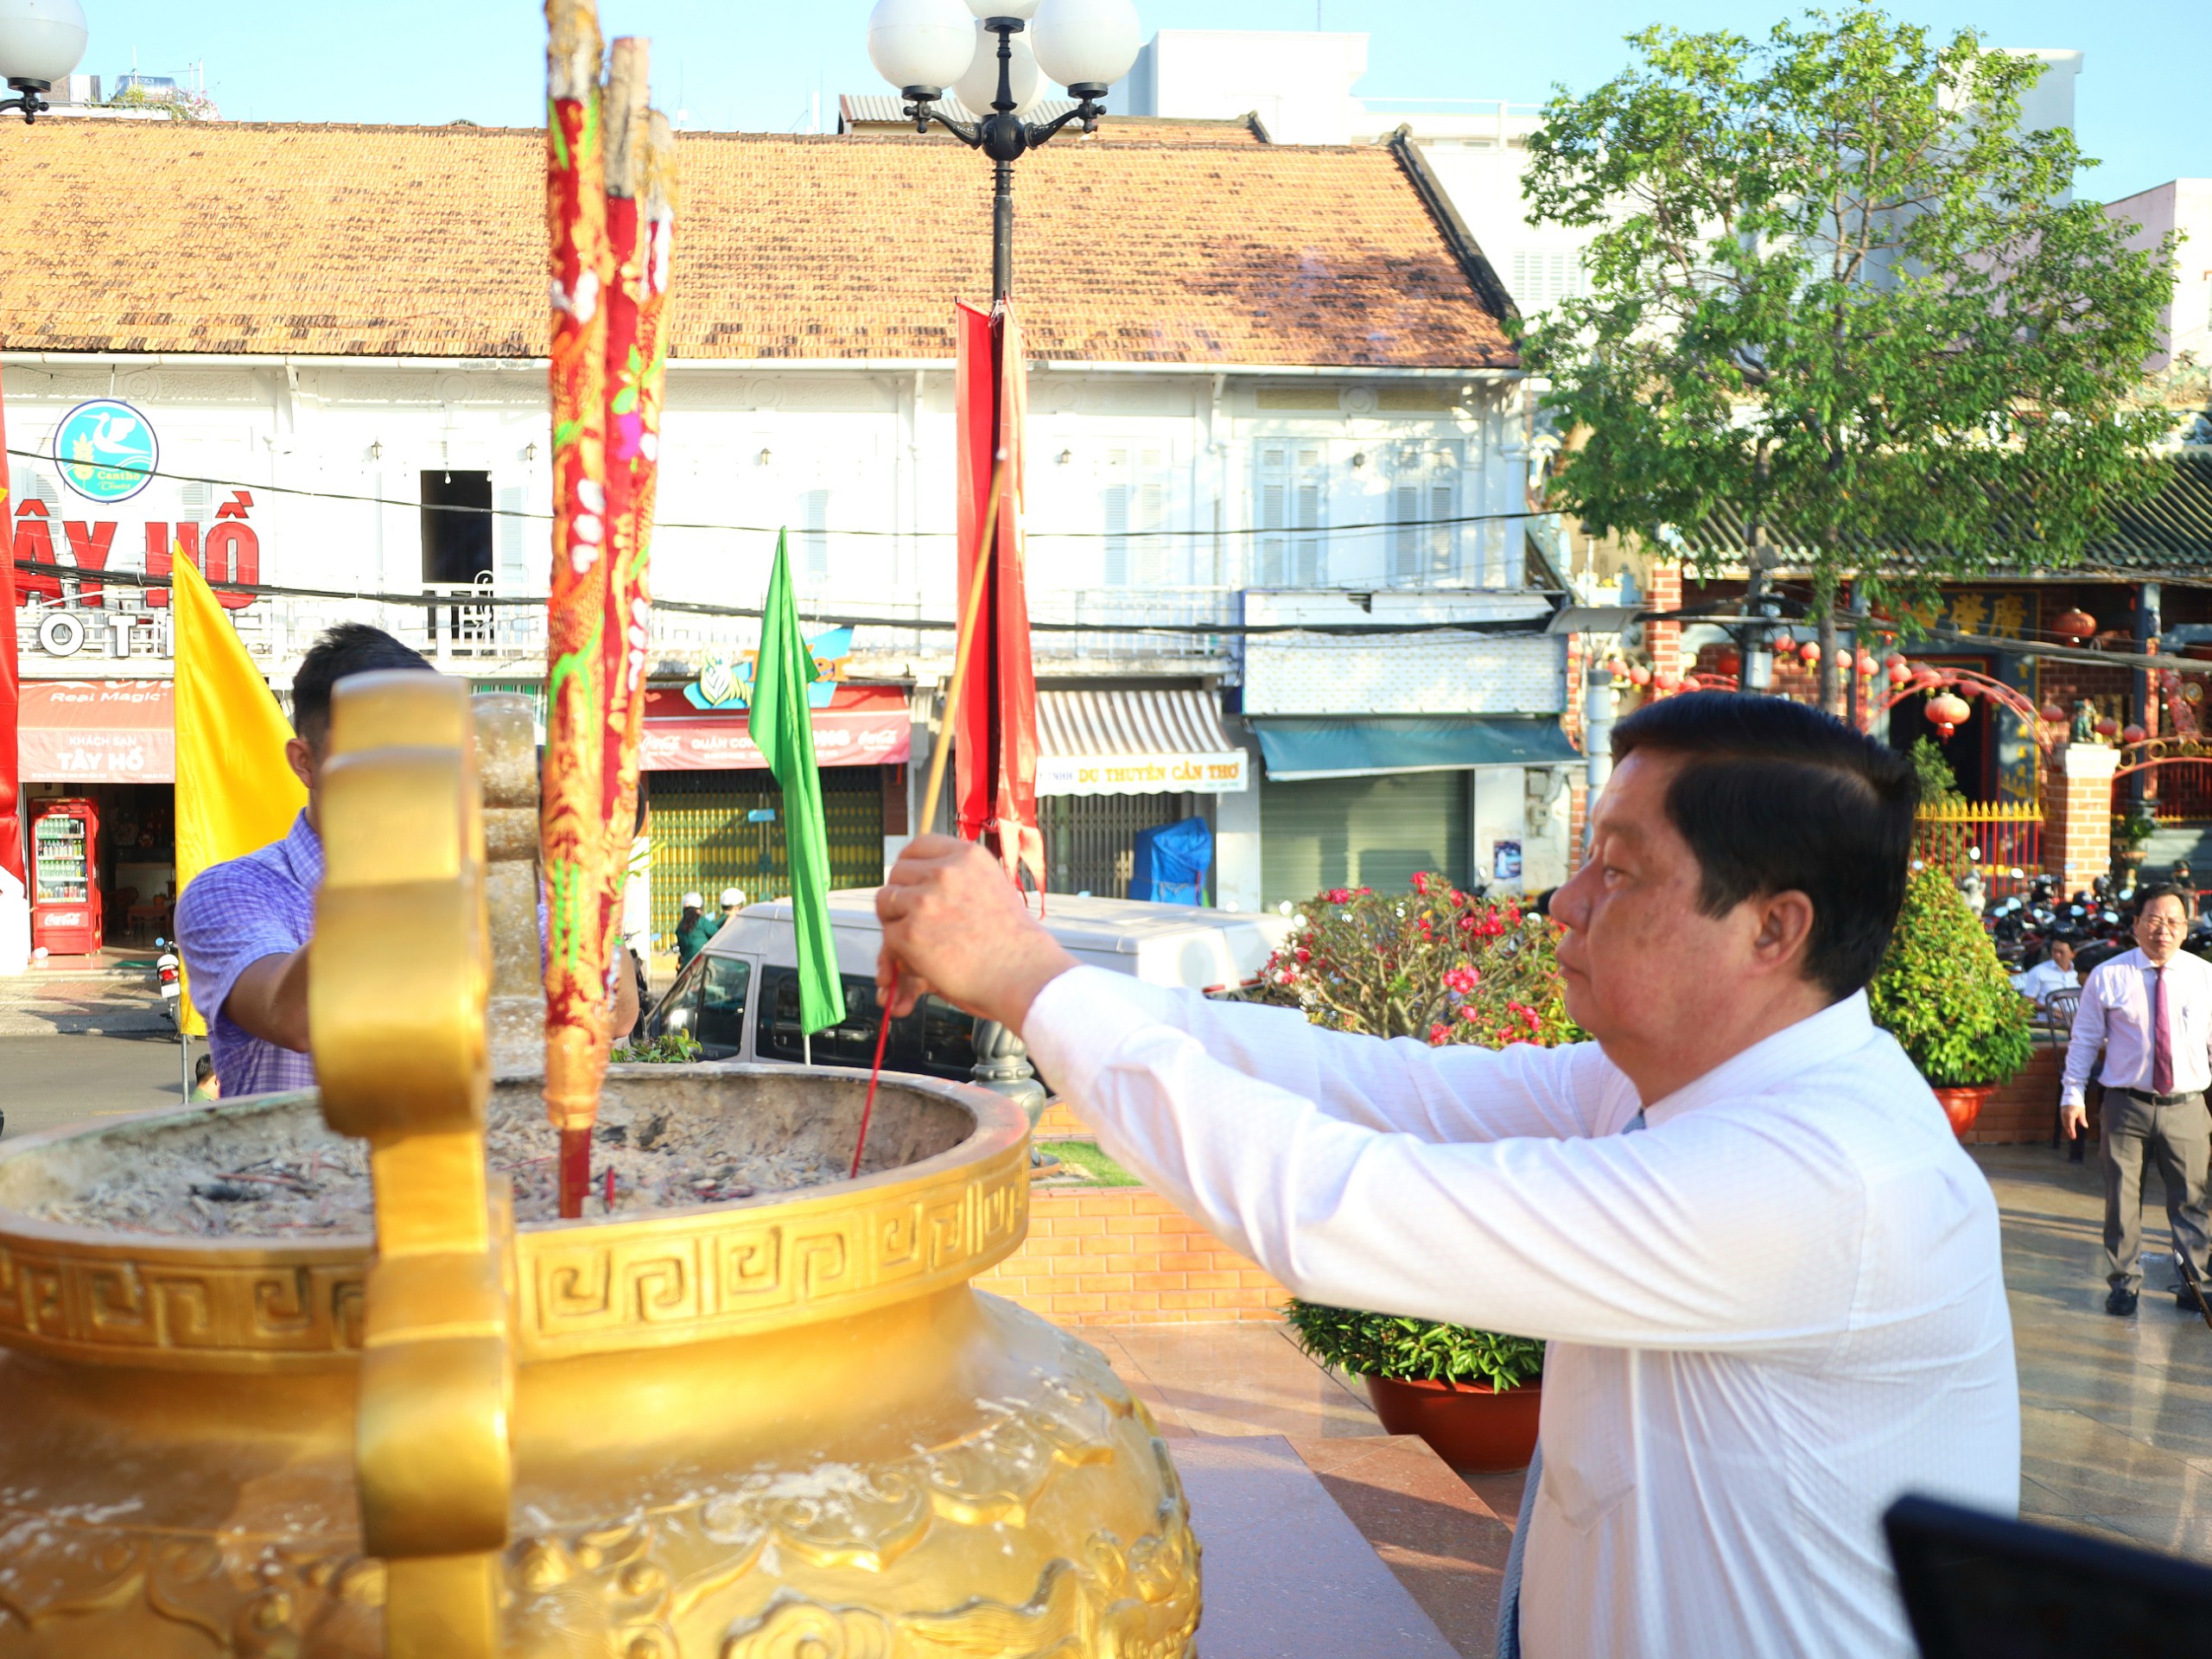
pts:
pixel 1942 994
pixel 1447 966
pixel 1473 1395
pixel 2130 832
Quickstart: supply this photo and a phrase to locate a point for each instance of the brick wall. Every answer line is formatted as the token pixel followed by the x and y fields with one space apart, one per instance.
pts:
pixel 2024 1110
pixel 2077 814
pixel 1125 1255
pixel 1662 641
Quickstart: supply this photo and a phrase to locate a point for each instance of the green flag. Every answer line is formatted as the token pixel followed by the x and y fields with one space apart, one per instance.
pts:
pixel 784 735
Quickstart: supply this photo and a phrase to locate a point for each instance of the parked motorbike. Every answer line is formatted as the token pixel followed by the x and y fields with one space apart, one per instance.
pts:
pixel 171 975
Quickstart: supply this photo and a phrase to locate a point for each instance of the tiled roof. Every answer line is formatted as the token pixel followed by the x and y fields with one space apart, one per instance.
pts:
pixel 885 113
pixel 317 240
pixel 2169 534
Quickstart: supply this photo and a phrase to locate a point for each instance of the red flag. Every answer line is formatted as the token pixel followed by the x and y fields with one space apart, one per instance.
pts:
pixel 995 728
pixel 12 874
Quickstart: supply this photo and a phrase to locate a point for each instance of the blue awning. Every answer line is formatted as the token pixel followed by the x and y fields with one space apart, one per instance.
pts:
pixel 1296 749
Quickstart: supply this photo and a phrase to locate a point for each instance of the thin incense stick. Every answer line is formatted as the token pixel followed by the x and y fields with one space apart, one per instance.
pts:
pixel 985 560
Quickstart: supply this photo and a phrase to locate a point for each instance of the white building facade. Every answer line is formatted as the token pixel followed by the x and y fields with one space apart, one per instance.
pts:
pixel 1171 507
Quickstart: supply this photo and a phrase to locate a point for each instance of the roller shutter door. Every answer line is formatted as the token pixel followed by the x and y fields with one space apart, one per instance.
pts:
pixel 1373 831
pixel 706 836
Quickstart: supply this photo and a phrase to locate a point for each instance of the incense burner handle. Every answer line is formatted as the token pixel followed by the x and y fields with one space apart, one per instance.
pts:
pixel 398 980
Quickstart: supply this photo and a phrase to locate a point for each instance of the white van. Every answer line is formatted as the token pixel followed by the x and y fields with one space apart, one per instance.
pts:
pixel 739 997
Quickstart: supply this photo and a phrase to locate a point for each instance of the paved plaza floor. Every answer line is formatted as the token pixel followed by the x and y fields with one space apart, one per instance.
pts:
pixel 2116 1414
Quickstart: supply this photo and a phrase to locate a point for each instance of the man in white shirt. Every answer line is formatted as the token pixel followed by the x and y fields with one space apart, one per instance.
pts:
pixel 1770 1313
pixel 2054 973
pixel 2150 1011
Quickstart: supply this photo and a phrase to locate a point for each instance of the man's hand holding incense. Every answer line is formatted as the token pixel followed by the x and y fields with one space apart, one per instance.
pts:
pixel 954 924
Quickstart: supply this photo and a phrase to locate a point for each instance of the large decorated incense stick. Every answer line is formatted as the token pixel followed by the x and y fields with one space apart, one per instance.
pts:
pixel 640 216
pixel 572 808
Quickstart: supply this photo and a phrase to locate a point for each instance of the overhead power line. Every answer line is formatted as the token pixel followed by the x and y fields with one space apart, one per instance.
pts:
pixel 470 600
pixel 770 530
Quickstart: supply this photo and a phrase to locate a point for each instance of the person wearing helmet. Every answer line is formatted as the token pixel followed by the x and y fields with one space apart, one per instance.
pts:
pixel 693 929
pixel 733 901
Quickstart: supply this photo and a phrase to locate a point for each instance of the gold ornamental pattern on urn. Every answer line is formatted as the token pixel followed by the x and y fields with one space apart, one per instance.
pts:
pixel 781 1426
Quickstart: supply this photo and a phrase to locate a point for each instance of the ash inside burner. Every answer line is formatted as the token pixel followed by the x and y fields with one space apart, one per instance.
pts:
pixel 286 1175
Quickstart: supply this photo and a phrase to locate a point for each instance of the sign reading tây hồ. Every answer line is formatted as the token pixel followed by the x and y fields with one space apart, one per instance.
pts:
pixel 105 450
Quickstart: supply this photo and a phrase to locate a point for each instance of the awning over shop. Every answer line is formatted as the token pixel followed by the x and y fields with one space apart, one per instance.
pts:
pixel 1134 742
pixel 863 726
pixel 97 732
pixel 1295 749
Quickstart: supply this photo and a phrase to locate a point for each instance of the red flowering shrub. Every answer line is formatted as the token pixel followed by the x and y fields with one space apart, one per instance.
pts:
pixel 1435 962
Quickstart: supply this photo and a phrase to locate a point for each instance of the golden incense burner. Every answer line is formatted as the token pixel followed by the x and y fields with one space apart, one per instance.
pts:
pixel 785 1426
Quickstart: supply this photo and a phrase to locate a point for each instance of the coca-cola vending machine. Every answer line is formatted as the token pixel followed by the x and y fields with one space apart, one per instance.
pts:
pixel 66 917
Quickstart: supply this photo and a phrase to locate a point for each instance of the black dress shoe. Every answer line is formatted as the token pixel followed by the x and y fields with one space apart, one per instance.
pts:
pixel 2121 1302
pixel 2185 1298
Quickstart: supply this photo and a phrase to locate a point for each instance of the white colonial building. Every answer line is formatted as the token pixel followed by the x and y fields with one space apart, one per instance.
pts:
pixel 1282 564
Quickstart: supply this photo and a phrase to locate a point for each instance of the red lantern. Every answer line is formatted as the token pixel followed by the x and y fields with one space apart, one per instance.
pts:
pixel 1667 680
pixel 1785 645
pixel 2074 625
pixel 1728 663
pixel 1948 712
pixel 1866 663
pixel 1639 675
pixel 1810 651
pixel 2130 732
pixel 2053 713
pixel 2108 727
pixel 1900 671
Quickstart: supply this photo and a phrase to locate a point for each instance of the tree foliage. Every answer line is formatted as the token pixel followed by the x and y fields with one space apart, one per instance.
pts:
pixel 1942 994
pixel 1836 286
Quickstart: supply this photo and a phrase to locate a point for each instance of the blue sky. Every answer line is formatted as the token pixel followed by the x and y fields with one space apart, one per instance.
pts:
pixel 756 64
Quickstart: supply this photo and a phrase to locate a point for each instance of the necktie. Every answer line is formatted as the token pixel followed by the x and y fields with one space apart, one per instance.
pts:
pixel 1508 1598
pixel 2162 1037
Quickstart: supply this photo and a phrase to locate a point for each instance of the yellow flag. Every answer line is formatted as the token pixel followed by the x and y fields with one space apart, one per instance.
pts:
pixel 234 790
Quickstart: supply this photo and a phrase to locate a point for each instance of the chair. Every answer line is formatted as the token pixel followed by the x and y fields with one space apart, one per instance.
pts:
pixel 2055 1013
pixel 154 913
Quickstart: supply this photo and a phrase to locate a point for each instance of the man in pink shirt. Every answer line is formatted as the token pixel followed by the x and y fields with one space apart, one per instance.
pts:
pixel 2150 1011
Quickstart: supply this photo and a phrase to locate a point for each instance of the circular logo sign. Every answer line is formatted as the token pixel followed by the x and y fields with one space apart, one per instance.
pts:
pixel 105 450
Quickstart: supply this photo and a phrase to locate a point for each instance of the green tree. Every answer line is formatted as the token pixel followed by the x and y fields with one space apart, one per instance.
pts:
pixel 1836 288
pixel 1939 785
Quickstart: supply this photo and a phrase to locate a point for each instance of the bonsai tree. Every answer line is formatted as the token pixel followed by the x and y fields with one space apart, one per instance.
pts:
pixel 1942 994
pixel 1447 966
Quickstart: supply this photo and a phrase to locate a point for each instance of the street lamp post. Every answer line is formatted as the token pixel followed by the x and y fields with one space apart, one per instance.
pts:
pixel 41 41
pixel 922 47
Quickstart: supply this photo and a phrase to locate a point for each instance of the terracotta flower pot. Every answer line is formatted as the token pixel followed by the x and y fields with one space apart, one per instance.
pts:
pixel 1963 1105
pixel 1469 1425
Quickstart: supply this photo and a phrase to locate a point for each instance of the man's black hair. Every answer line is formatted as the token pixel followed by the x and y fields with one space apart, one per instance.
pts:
pixel 350 648
pixel 2165 890
pixel 1776 796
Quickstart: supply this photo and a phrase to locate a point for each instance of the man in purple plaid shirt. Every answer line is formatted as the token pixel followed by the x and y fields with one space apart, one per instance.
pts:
pixel 243 925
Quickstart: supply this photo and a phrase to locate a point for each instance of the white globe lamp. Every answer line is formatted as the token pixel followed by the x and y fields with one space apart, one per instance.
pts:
pixel 41 41
pixel 979 87
pixel 1082 44
pixel 926 44
pixel 1024 9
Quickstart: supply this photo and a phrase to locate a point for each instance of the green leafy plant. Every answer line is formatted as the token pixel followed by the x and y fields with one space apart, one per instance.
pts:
pixel 1434 963
pixel 2131 829
pixel 1846 314
pixel 1410 1349
pixel 1942 994
pixel 1939 785
pixel 1448 967
pixel 669 1048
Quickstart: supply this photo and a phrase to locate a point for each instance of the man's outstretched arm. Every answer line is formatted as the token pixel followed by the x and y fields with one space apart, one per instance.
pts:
pixel 947 907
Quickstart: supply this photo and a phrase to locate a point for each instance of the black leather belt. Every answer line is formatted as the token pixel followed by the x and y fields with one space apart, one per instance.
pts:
pixel 2150 1099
